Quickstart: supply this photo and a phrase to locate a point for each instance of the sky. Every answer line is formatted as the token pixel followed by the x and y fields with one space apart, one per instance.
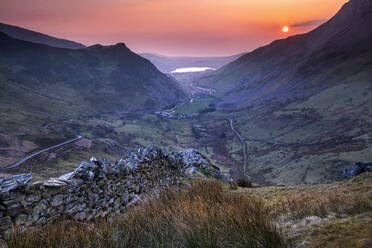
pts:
pixel 171 27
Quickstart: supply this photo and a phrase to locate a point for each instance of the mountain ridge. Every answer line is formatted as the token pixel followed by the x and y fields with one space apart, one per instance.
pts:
pixel 302 104
pixel 296 50
pixel 37 37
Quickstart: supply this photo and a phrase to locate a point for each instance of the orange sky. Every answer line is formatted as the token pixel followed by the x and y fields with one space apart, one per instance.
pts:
pixel 171 27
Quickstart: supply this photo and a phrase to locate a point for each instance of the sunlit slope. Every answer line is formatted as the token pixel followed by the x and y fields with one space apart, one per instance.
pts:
pixel 301 65
pixel 303 104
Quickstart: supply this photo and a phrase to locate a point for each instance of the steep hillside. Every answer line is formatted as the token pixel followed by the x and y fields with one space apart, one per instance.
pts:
pixel 301 65
pixel 97 79
pixel 40 84
pixel 36 37
pixel 168 64
pixel 303 104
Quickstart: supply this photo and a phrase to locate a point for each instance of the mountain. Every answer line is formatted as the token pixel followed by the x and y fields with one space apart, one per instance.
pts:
pixel 52 83
pixel 301 65
pixel 168 64
pixel 42 85
pixel 36 37
pixel 303 104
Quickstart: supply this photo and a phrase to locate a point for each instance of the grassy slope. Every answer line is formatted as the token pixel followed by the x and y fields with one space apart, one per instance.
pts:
pixel 41 85
pixel 303 103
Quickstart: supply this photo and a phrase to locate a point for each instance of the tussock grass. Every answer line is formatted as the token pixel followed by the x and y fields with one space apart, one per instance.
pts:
pixel 322 204
pixel 202 216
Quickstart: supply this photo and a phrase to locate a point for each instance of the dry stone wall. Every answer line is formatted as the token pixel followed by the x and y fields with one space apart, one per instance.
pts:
pixel 97 188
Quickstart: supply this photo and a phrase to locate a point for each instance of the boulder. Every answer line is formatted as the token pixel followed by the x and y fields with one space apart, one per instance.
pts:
pixel 357 169
pixel 152 153
pixel 87 170
pixel 193 158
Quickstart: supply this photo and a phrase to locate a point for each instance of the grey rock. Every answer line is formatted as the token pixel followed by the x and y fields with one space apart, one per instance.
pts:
pixel 5 223
pixel 357 169
pixel 134 201
pixel 71 209
pixel 175 160
pixel 41 221
pixel 81 207
pixel 152 153
pixel 125 167
pixel 80 216
pixel 86 170
pixel 54 182
pixel 193 157
pixel 57 200
pixel 21 219
pixel 94 198
pixel 14 210
pixel 11 183
pixel 76 182
pixel 125 197
pixel 67 177
pixel 33 198
pixel 40 207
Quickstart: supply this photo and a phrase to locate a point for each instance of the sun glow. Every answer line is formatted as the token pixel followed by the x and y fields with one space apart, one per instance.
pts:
pixel 285 29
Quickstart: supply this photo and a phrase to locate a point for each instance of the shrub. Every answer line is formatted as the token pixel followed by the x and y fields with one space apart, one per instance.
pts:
pixel 244 182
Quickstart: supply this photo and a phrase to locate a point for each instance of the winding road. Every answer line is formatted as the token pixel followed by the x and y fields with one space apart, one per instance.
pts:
pixel 244 147
pixel 37 153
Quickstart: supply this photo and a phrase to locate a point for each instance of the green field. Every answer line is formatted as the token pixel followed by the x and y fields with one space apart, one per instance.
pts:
pixel 197 105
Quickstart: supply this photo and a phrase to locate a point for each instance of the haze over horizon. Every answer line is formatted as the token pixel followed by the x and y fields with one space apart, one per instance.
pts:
pixel 168 27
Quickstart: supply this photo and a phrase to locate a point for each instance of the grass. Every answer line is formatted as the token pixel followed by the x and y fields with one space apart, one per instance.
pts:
pixel 322 204
pixel 207 214
pixel 204 215
pixel 350 232
pixel 194 107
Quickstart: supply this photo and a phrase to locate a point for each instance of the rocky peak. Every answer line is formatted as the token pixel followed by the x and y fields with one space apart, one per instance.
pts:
pixel 121 45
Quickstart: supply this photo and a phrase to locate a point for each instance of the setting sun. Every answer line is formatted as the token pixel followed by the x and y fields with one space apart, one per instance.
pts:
pixel 285 29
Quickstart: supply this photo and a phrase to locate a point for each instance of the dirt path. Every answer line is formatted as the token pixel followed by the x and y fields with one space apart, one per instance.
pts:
pixel 244 147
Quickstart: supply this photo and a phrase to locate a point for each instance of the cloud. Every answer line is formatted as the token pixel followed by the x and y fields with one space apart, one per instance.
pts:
pixel 309 23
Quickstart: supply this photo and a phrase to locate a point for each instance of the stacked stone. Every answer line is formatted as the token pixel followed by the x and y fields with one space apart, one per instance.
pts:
pixel 97 188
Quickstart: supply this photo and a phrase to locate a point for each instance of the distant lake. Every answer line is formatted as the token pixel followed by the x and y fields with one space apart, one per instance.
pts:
pixel 192 69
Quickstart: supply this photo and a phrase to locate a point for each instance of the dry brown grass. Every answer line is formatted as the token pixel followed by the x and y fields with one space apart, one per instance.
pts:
pixel 322 204
pixel 202 216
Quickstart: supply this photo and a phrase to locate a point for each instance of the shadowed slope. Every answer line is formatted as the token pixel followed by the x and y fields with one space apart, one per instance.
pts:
pixel 32 36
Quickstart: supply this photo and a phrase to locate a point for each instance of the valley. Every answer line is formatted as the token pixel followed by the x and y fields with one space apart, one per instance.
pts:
pixel 285 144
pixel 105 146
pixel 300 119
